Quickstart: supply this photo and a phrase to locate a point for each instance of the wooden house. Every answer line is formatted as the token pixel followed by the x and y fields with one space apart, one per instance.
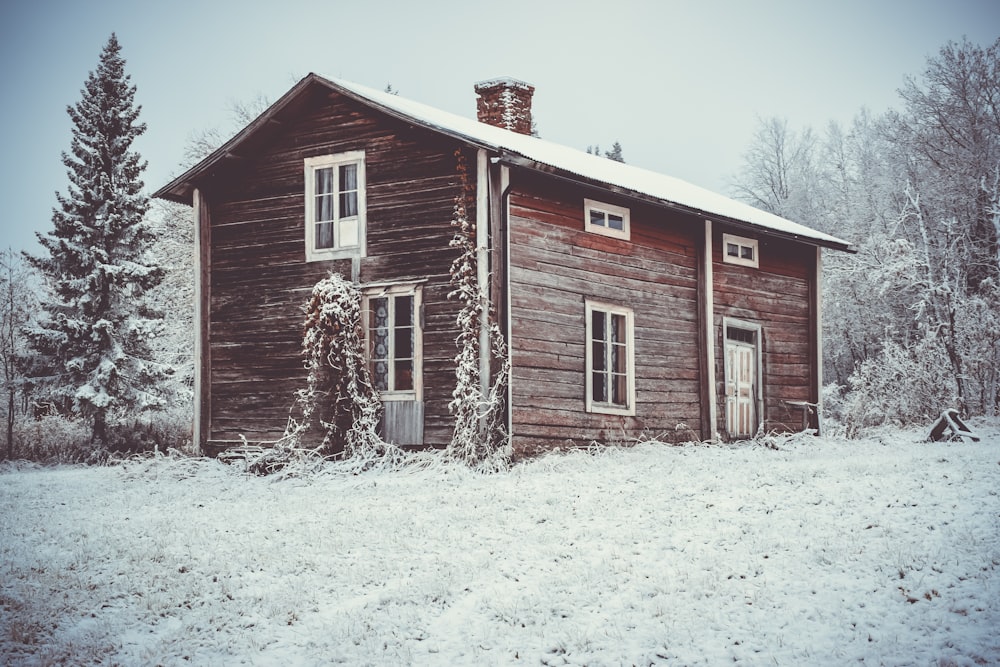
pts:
pixel 634 304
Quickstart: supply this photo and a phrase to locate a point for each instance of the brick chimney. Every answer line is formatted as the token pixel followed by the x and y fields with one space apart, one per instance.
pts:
pixel 505 103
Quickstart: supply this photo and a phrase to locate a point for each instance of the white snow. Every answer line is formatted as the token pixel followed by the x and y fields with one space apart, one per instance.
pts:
pixel 823 552
pixel 577 162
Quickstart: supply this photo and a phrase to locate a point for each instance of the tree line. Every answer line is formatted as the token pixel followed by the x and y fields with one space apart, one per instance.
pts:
pixel 912 321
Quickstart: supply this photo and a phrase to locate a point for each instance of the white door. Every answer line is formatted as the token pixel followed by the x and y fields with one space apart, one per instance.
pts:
pixel 741 388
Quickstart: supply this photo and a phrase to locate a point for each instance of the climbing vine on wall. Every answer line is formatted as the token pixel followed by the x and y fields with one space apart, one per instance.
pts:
pixel 339 393
pixel 480 438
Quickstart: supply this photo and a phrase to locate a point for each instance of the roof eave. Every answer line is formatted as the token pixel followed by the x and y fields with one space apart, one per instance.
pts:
pixel 516 160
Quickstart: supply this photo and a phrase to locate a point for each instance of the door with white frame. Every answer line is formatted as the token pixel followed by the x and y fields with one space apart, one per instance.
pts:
pixel 743 373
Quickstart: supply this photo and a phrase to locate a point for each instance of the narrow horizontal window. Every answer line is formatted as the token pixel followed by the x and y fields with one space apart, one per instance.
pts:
pixel 740 250
pixel 606 219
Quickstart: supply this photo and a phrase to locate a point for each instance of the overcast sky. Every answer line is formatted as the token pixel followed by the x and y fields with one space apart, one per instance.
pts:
pixel 679 84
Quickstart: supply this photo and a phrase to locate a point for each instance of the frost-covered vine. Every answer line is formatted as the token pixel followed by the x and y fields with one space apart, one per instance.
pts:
pixel 339 392
pixel 480 438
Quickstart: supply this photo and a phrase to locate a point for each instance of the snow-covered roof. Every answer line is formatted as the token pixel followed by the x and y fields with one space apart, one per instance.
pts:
pixel 530 151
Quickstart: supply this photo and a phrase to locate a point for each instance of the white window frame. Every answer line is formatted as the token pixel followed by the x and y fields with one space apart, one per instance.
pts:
pixel 311 164
pixel 741 242
pixel 591 404
pixel 590 205
pixel 390 291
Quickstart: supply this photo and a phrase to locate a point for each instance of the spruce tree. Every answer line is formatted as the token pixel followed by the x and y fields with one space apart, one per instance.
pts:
pixel 615 153
pixel 92 339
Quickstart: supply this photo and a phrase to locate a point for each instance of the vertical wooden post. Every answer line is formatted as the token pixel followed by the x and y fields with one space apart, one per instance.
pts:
pixel 202 292
pixel 816 308
pixel 482 267
pixel 706 337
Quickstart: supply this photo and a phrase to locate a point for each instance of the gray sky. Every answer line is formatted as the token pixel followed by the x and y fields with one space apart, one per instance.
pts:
pixel 679 84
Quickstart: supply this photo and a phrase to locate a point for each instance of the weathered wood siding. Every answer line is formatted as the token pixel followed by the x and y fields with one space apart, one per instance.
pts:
pixel 555 266
pixel 260 279
pixel 777 297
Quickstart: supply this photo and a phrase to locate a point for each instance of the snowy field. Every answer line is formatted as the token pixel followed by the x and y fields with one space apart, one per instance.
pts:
pixel 822 552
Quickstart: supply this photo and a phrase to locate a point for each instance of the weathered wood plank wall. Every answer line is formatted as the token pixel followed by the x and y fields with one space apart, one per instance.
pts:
pixel 777 296
pixel 555 266
pixel 260 278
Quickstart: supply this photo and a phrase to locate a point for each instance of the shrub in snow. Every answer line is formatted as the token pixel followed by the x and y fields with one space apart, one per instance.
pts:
pixel 480 438
pixel 339 393
pixel 56 439
pixel 901 385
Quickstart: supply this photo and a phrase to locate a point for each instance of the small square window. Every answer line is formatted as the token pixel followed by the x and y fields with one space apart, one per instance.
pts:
pixel 606 219
pixel 740 250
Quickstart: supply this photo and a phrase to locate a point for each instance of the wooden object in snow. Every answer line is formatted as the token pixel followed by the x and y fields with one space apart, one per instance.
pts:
pixel 951 427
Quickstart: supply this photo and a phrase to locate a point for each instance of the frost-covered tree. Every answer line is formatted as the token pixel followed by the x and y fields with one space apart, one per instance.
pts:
pixel 174 229
pixel 615 153
pixel 17 303
pixel 779 172
pixel 242 113
pixel 911 322
pixel 99 262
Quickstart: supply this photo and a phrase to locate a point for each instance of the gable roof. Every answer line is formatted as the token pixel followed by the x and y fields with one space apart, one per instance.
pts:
pixel 524 151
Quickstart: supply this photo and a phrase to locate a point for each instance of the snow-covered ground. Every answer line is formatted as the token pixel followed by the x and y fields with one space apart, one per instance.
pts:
pixel 823 552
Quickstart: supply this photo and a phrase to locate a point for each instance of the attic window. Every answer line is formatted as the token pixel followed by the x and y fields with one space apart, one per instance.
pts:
pixel 739 250
pixel 335 205
pixel 606 219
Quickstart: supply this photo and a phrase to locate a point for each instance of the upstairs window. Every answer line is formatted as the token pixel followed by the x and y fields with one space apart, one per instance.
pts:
pixel 606 219
pixel 335 205
pixel 610 359
pixel 739 250
pixel 394 341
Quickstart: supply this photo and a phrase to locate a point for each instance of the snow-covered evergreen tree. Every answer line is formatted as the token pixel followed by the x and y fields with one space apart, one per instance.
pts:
pixel 94 335
pixel 615 153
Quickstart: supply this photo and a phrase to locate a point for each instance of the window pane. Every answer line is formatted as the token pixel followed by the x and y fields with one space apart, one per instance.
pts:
pixel 618 358
pixel 379 312
pixel 324 235
pixel 404 375
pixel 348 177
pixel 619 389
pixel 616 222
pixel 599 389
pixel 348 204
pixel 378 334
pixel 618 328
pixel 404 311
pixel 746 252
pixel 404 342
pixel 597 218
pixel 324 181
pixel 380 375
pixel 732 250
pixel 324 208
pixel 597 352
pixel 597 326
pixel 347 233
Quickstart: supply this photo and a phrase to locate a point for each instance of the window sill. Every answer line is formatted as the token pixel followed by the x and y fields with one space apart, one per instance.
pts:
pixel 609 409
pixel 326 255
